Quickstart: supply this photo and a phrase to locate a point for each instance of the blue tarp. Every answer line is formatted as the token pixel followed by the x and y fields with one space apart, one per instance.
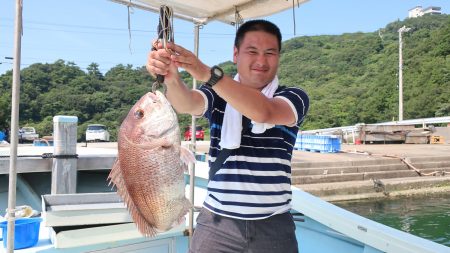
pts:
pixel 2 136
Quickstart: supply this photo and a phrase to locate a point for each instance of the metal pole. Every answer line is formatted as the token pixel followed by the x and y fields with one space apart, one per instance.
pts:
pixel 14 127
pixel 193 143
pixel 400 71
pixel 400 77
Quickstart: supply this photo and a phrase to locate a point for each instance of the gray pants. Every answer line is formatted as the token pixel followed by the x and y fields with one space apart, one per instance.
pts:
pixel 219 234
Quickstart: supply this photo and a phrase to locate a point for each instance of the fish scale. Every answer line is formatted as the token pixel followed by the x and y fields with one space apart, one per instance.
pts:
pixel 149 172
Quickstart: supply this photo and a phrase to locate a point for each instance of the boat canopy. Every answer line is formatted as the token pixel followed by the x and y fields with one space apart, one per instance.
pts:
pixel 204 11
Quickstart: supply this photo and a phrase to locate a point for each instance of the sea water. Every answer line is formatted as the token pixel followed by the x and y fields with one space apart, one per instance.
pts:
pixel 426 216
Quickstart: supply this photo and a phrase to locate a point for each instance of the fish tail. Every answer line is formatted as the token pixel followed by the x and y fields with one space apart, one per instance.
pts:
pixel 116 178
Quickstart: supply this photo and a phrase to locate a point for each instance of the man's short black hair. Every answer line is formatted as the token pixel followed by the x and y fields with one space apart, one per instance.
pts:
pixel 257 25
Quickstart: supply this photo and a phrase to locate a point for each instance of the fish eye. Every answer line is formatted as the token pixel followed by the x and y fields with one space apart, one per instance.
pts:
pixel 139 114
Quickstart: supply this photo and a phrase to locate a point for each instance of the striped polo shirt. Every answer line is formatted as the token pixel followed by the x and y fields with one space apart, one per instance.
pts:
pixel 255 180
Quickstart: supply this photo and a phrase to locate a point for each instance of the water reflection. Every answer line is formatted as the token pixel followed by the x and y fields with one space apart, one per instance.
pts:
pixel 427 217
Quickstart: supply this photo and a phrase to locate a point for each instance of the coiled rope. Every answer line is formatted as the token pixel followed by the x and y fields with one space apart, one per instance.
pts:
pixel 165 35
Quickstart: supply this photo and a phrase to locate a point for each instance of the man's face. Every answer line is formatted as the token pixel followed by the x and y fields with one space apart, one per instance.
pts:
pixel 257 59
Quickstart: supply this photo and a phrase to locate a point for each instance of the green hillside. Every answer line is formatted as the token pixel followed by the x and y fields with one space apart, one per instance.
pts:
pixel 351 78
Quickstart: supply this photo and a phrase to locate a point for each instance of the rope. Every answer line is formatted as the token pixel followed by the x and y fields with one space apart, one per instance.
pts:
pixel 239 20
pixel 129 27
pixel 165 27
pixel 443 172
pixel 165 35
pixel 44 156
pixel 293 14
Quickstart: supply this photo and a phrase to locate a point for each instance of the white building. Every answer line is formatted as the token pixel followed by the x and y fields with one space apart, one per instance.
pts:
pixel 418 11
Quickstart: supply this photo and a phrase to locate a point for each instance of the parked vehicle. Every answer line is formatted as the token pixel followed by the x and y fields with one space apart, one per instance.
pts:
pixel 27 134
pixel 97 132
pixel 199 133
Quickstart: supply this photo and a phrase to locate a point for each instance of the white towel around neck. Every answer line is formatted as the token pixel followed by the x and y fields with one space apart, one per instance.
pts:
pixel 230 136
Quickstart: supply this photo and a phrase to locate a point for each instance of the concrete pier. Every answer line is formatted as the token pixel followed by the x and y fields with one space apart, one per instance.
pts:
pixel 373 171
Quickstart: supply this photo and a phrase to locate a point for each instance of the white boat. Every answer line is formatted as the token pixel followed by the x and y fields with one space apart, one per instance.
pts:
pixel 321 227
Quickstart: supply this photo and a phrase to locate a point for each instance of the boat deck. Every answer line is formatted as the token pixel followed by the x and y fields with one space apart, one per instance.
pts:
pixel 343 229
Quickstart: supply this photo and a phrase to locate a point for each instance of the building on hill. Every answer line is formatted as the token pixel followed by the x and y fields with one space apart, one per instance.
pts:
pixel 418 11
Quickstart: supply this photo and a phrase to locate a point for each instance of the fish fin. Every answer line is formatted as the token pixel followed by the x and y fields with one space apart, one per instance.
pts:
pixel 144 227
pixel 115 175
pixel 186 155
pixel 116 178
pixel 180 206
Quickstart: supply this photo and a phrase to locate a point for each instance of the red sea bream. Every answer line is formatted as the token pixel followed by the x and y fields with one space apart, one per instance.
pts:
pixel 149 172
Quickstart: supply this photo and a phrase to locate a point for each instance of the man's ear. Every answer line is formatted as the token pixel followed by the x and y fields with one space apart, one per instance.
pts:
pixel 235 53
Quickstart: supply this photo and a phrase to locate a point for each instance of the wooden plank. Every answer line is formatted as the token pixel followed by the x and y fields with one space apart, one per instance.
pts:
pixel 86 207
pixel 64 170
pixel 86 217
pixel 388 128
pixel 96 162
pixel 33 164
pixel 83 209
pixel 116 235
pixel 27 165
pixel 80 198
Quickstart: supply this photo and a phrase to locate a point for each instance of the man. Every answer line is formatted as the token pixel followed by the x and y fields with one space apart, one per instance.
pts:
pixel 248 201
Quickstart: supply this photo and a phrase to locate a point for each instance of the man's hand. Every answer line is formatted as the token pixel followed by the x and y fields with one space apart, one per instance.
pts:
pixel 185 59
pixel 166 62
pixel 159 62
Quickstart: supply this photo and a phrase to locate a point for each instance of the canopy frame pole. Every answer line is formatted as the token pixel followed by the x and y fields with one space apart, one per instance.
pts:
pixel 15 98
pixel 193 142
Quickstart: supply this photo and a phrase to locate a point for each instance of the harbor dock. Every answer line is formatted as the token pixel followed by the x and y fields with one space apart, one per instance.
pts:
pixel 370 170
pixel 357 172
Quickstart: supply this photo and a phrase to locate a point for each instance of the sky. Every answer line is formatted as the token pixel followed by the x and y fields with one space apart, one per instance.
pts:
pixel 96 31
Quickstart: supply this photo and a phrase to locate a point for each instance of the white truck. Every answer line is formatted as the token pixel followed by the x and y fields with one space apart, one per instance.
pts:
pixel 27 134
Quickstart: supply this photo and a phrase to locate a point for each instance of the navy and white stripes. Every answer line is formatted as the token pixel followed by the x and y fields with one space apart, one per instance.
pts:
pixel 255 181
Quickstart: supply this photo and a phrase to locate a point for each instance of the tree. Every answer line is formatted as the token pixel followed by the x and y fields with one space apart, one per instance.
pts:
pixel 350 78
pixel 94 72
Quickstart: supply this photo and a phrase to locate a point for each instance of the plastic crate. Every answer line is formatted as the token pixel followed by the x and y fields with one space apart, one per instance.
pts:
pixel 200 157
pixel 43 143
pixel 26 232
pixel 318 143
pixel 298 142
